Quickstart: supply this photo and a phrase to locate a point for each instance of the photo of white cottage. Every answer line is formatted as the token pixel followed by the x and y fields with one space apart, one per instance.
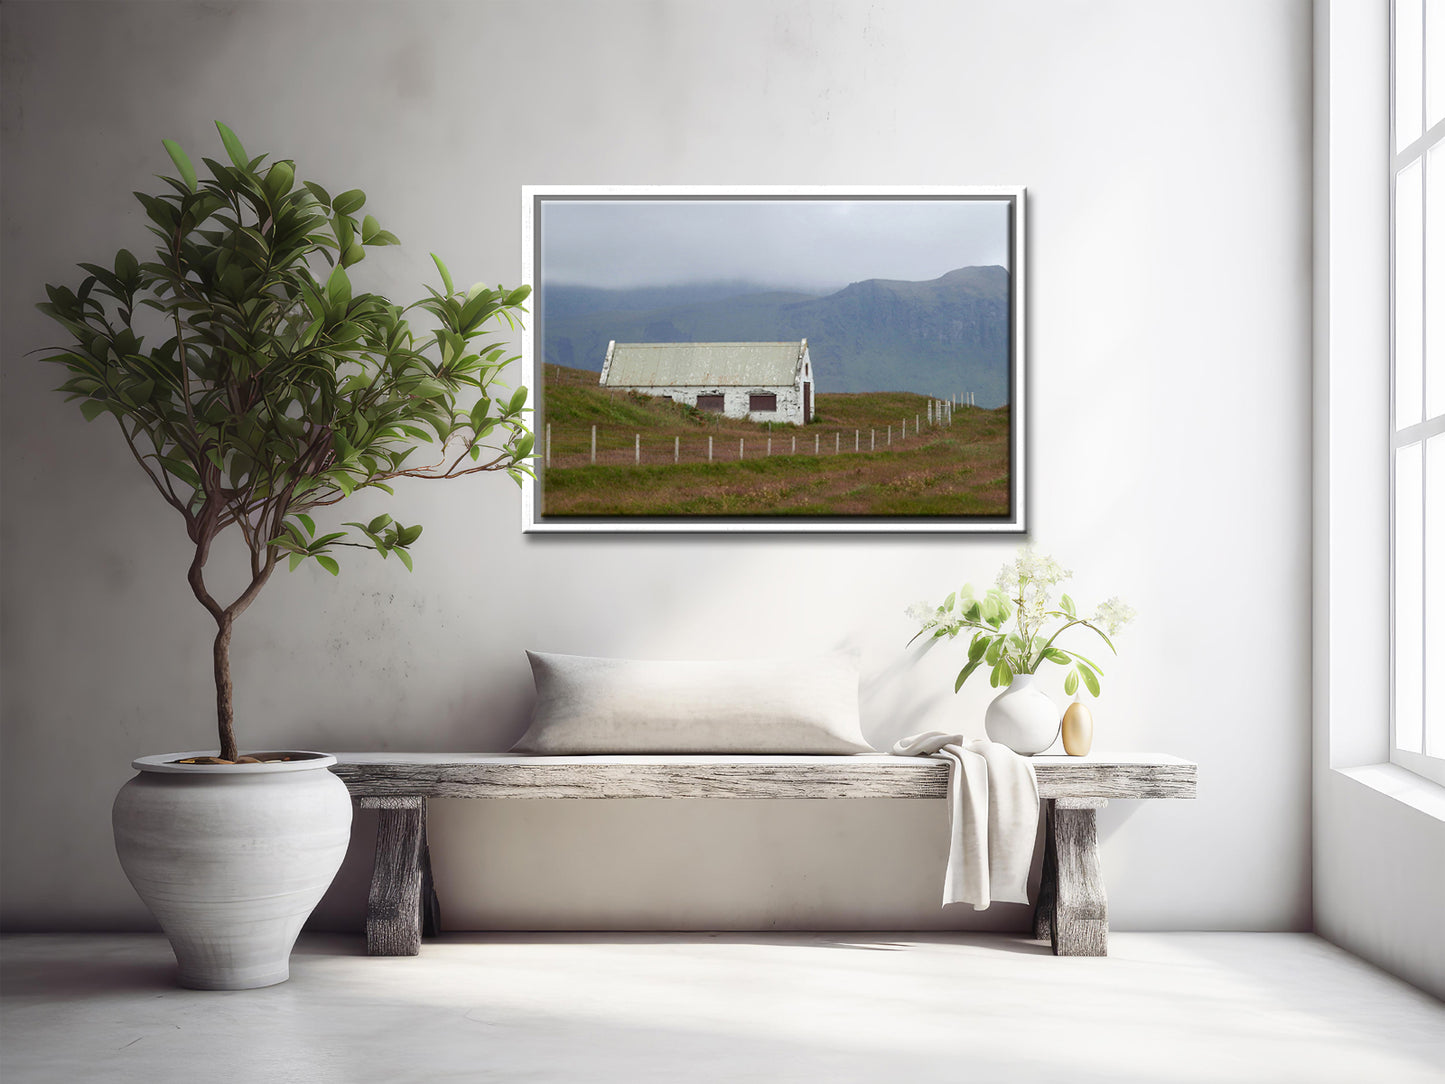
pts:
pixel 760 381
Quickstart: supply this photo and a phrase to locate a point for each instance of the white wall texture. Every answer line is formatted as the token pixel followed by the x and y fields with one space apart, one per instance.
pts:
pixel 1167 152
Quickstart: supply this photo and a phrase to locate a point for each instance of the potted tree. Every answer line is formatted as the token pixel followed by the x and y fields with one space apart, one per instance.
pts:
pixel 254 385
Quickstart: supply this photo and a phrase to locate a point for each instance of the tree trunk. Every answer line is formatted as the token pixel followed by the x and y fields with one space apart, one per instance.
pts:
pixel 225 711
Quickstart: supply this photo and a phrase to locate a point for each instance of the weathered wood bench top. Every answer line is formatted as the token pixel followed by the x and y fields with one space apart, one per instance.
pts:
pixel 1071 912
pixel 504 775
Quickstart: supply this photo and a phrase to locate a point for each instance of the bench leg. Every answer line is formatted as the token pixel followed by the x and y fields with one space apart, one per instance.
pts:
pixel 431 906
pixel 1080 924
pixel 393 908
pixel 1048 881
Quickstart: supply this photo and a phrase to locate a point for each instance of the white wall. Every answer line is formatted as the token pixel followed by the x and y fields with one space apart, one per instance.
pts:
pixel 1379 831
pixel 1167 152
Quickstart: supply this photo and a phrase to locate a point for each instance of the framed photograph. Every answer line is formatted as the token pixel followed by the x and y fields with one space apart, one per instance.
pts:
pixel 776 359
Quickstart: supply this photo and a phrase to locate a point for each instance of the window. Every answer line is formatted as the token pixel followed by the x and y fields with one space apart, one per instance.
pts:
pixel 1417 359
pixel 713 403
pixel 759 400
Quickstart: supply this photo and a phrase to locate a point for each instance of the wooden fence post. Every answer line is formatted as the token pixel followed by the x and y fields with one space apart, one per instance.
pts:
pixel 676 448
pixel 816 437
pixel 740 449
pixel 549 445
pixel 637 448
pixel 837 443
pixel 856 440
pixel 594 444
pixel 872 440
pixel 795 446
pixel 709 449
pixel 770 446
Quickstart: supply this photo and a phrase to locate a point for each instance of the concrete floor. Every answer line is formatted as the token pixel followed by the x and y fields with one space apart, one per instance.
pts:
pixel 728 1007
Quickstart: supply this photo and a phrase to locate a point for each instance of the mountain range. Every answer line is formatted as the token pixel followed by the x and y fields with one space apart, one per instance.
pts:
pixel 938 337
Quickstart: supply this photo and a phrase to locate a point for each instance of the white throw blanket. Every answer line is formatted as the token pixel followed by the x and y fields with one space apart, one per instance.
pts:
pixel 993 817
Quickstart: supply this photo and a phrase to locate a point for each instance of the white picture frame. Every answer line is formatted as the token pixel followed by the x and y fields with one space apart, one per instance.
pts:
pixel 571 231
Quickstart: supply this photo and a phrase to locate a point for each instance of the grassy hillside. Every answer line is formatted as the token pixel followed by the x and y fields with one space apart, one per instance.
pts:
pixel 758 470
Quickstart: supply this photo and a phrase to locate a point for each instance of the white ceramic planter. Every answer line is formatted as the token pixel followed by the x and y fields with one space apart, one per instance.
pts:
pixel 231 859
pixel 1022 717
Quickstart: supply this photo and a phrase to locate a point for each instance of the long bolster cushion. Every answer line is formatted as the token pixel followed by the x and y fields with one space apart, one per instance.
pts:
pixel 591 705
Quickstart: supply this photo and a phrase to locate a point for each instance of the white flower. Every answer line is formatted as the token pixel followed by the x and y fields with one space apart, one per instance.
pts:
pixel 1029 581
pixel 1113 615
pixel 923 613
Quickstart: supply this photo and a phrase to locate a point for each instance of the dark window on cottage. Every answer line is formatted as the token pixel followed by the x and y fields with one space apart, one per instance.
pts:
pixel 710 402
pixel 762 401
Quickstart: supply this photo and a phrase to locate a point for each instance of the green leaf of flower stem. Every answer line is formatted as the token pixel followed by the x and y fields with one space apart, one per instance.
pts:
pixel 1001 675
pixel 93 408
pixel 978 646
pixel 1089 679
pixel 965 673
pixel 308 523
pixel 994 650
pixel 378 523
pixel 1071 683
pixel 1068 605
pixel 405 558
pixel 233 146
pixel 370 227
pixel 183 163
pixel 328 563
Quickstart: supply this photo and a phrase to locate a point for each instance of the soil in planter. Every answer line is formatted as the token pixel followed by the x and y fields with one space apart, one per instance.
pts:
pixel 265 758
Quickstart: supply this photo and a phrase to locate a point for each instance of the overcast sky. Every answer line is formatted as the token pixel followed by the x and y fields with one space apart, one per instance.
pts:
pixel 802 244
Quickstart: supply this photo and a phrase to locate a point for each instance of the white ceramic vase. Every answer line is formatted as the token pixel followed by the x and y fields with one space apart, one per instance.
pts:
pixel 1022 717
pixel 231 859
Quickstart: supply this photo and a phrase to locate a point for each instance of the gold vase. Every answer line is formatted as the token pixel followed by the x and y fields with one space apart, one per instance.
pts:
pixel 1078 728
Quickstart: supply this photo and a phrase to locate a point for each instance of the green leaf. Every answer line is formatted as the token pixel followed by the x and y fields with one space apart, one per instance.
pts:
pixel 963 675
pixel 378 523
pixel 446 275
pixel 126 267
pixel 328 563
pixel 1071 683
pixel 349 202
pixel 183 163
pixel 239 159
pixel 94 408
pixel 405 536
pixel 322 196
pixel 338 286
pixel 370 227
pixel 994 651
pixel 294 560
pixel 308 523
pixel 1001 675
pixel 1089 679
pixel 978 646
pixel 1068 605
pixel 354 254
pixel 405 558
pixel 518 400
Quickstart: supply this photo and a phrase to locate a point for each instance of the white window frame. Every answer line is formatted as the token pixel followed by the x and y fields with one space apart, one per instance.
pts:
pixel 1430 761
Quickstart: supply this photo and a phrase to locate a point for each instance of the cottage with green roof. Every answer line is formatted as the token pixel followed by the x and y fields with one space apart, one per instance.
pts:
pixel 760 381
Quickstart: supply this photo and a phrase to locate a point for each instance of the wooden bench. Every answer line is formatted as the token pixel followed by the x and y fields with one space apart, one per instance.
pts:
pixel 1071 910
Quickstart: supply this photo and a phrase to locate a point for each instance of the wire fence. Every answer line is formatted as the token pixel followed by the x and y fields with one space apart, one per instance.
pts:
pixel 616 446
